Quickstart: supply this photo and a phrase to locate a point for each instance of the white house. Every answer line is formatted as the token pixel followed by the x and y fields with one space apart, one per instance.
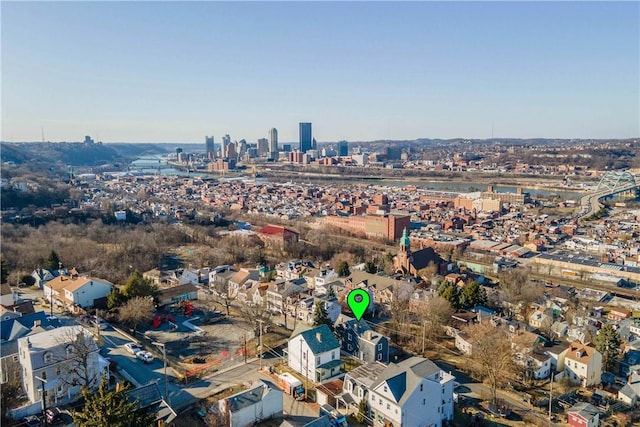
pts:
pixel 583 364
pixel 76 290
pixel 630 393
pixel 7 296
pixel 315 353
pixel 247 408
pixel 322 279
pixel 410 393
pixel 58 357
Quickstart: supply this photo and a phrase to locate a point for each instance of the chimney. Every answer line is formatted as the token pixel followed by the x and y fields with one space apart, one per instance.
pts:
pixel 319 336
pixel 36 323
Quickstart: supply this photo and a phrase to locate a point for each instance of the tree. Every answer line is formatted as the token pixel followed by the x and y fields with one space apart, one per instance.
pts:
pixel 343 269
pixel 399 308
pixel 450 292
pixel 517 289
pixel 436 315
pixel 80 357
pixel 115 298
pixel 608 343
pixel 362 411
pixel 492 354
pixel 320 316
pixel 137 310
pixel 53 261
pixel 257 315
pixel 429 271
pixel 4 271
pixel 111 408
pixel 10 390
pixel 370 267
pixel 138 286
pixel 472 295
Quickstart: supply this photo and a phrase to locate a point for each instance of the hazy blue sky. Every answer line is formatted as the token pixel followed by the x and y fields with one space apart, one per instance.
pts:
pixel 177 71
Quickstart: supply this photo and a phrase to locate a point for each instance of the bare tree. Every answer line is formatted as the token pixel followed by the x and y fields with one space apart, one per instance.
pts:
pixel 517 289
pixel 137 310
pixel 77 355
pixel 492 354
pixel 435 316
pixel 255 313
pixel 398 309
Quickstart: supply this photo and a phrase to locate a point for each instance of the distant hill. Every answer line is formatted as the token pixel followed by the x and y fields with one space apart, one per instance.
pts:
pixel 76 154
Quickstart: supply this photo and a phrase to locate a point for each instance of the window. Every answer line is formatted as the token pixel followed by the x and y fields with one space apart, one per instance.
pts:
pixel 333 355
pixel 379 356
pixel 15 358
pixel 388 407
pixel 48 357
pixel 360 392
pixel 304 356
pixel 424 402
pixel 58 371
pixel 349 347
pixel 379 401
pixel 43 375
pixel 318 360
pixel 421 386
pixel 380 347
pixel 349 337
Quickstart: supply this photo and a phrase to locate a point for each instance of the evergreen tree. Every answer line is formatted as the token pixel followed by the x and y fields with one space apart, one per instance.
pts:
pixel 450 292
pixel 370 267
pixel 343 269
pixel 320 316
pixel 111 408
pixel 473 294
pixel 52 262
pixel 608 342
pixel 138 286
pixel 4 271
pixel 362 411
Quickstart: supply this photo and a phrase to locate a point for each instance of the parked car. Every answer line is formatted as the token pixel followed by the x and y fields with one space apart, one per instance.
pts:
pixel 32 421
pixel 132 347
pixel 54 415
pixel 145 356
pixel 100 323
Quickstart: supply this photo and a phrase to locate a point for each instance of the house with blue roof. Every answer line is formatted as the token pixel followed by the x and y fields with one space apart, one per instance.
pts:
pixel 314 352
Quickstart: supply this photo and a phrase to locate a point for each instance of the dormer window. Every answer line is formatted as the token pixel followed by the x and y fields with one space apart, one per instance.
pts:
pixel 69 350
pixel 48 357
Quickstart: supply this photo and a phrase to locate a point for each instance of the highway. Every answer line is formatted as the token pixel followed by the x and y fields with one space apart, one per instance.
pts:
pixel 590 203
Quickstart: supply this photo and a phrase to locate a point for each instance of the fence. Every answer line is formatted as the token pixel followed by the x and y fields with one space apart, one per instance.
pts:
pixel 23 411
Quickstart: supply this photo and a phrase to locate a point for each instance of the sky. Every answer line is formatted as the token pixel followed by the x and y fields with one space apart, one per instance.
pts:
pixel 359 71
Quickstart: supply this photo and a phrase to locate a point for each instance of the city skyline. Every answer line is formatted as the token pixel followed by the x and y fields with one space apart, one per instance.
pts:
pixel 174 72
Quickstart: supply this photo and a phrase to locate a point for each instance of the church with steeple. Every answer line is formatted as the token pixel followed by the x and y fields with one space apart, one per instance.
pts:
pixel 408 262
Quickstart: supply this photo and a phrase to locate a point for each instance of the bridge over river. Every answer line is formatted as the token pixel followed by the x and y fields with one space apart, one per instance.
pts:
pixel 611 184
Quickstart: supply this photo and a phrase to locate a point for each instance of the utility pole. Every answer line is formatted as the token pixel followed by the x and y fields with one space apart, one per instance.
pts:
pixel 164 357
pixel 260 347
pixel 424 330
pixel 550 397
pixel 245 348
pixel 44 400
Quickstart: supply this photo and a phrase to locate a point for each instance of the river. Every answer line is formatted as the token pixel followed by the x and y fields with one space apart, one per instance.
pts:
pixel 150 165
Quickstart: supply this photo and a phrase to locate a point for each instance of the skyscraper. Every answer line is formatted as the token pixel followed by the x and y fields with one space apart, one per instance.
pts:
pixel 263 146
pixel 226 140
pixel 306 139
pixel 343 148
pixel 210 148
pixel 273 140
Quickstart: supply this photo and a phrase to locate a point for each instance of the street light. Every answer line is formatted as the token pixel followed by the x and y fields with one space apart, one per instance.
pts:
pixel 164 357
pixel 44 400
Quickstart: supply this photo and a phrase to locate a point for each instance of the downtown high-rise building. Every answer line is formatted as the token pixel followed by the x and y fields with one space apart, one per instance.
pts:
pixel 306 139
pixel 210 147
pixel 273 140
pixel 263 146
pixel 226 141
pixel 343 148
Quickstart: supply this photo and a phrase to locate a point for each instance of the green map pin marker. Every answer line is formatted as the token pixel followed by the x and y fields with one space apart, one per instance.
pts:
pixel 358 301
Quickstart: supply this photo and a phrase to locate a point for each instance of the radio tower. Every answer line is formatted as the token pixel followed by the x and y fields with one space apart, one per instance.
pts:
pixel 42 129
